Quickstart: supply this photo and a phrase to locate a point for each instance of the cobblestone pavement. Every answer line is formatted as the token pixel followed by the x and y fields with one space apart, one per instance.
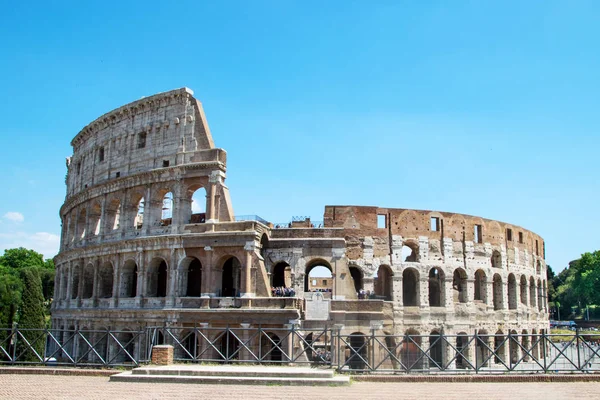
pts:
pixel 81 387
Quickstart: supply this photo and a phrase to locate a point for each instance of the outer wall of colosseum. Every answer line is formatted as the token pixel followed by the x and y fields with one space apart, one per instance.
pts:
pixel 140 249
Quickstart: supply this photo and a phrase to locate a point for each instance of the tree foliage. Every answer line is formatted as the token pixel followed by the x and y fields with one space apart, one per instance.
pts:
pixel 12 266
pixel 578 285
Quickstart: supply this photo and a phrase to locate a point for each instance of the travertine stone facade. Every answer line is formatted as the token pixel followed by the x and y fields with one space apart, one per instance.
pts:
pixel 137 250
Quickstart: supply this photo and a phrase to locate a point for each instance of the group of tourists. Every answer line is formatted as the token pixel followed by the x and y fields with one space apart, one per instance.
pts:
pixel 365 295
pixel 283 292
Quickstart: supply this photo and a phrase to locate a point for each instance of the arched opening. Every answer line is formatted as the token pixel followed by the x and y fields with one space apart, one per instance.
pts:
pixel 318 277
pixel 410 252
pixel 264 245
pixel 482 348
pixel 88 282
pixel 105 284
pixel 525 344
pixel 281 275
pixel 512 292
pixel 523 290
pixel 190 344
pixel 231 278
pixel 538 267
pixel 534 341
pixel 499 347
pixel 383 283
pixel 462 348
pixel 532 294
pixel 410 287
pixel 357 278
pixel 81 228
pixel 138 221
pixel 410 351
pixel 126 350
pixel 357 351
pixel 129 277
pixel 513 346
pixel 75 282
pixel 198 206
pixel 435 350
pixel 480 286
pixel 94 218
pixel 157 278
pixel 459 285
pixel 194 278
pixel 166 217
pixel 540 302
pixel 498 293
pixel 436 287
pixel 270 347
pixel 112 215
pixel 496 259
pixel 228 346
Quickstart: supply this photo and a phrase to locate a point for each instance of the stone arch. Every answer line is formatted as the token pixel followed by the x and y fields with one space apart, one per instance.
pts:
pixel 94 218
pixel 196 197
pixel 281 275
pixel 191 269
pixel 436 287
pixel 167 209
pixel 525 344
pixel 411 354
pixel 105 280
pixel 231 275
pixel 112 215
pixel 264 245
pixel 480 286
pixel 129 278
pixel 436 349
pixel 532 293
pixel 76 277
pixel 459 286
pixel 512 292
pixel 318 262
pixel 410 287
pixel 139 209
pixel 157 278
pixel 513 347
pixel 357 277
pixel 498 292
pixel 493 232
pixel 523 290
pixel 383 284
pixel 410 251
pixel 357 357
pixel 463 353
pixel 270 347
pixel 407 223
pixel 455 228
pixel 88 282
pixel 496 259
pixel 81 225
pixel 499 347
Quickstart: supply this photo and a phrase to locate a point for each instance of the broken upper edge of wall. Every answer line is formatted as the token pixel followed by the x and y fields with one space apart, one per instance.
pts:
pixel 89 127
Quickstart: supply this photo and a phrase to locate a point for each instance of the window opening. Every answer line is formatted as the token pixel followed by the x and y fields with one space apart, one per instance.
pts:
pixel 381 221
pixel 478 231
pixel 435 224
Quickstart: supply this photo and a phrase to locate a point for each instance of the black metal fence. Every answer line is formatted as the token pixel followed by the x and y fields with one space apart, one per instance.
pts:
pixel 328 347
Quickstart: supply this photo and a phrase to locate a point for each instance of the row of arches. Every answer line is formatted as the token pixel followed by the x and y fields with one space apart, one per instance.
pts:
pixel 133 212
pixel 128 280
pixel 414 351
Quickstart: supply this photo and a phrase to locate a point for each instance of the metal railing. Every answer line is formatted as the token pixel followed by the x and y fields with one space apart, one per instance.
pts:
pixel 326 347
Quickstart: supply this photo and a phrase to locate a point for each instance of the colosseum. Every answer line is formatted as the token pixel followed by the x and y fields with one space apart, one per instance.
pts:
pixel 149 238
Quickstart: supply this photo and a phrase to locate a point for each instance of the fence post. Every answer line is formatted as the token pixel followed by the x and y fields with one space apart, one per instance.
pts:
pixel 14 340
pixel 578 353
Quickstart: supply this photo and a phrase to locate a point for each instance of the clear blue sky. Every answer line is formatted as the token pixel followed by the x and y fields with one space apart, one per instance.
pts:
pixel 479 107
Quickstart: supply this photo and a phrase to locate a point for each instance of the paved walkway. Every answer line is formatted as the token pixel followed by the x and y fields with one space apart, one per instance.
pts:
pixel 85 387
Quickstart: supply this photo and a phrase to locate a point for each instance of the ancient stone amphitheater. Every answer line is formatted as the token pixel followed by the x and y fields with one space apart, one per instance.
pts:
pixel 149 238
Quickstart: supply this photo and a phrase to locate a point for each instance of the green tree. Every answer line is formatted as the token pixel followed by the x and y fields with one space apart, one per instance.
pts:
pixel 32 315
pixel 11 289
pixel 21 258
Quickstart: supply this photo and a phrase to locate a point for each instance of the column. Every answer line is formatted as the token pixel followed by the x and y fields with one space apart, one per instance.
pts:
pixel 208 287
pixel 247 276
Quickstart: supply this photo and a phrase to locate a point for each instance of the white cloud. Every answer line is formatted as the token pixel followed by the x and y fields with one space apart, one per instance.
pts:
pixel 14 216
pixel 196 208
pixel 42 242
